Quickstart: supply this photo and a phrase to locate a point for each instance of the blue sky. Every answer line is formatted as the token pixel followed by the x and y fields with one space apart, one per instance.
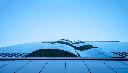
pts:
pixel 23 21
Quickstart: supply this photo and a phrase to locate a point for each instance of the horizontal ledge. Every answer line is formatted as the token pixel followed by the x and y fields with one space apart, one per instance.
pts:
pixel 64 58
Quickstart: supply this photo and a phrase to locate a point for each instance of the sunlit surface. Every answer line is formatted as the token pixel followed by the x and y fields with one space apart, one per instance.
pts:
pixel 63 66
pixel 105 57
pixel 103 50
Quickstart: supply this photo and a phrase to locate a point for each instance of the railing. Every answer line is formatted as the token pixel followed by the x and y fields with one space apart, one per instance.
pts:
pixel 63 58
pixel 13 54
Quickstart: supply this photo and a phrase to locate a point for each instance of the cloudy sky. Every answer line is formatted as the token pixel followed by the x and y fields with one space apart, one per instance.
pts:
pixel 23 21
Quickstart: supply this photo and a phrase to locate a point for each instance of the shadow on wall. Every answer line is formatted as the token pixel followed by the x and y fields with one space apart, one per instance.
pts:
pixel 51 53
